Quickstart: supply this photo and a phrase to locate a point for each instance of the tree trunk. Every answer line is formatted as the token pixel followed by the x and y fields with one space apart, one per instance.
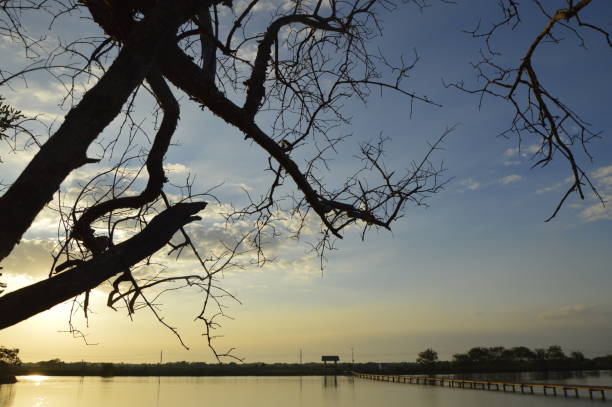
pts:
pixel 31 300
pixel 66 149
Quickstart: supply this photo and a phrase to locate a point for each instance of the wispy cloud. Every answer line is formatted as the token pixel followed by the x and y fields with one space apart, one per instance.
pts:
pixel 511 152
pixel 469 183
pixel 510 163
pixel 602 178
pixel 603 171
pixel 598 211
pixel 568 312
pixel 555 186
pixel 29 258
pixel 549 188
pixel 509 179
pixel 522 151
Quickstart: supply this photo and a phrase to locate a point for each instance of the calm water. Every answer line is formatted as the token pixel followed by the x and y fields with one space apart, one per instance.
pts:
pixel 273 391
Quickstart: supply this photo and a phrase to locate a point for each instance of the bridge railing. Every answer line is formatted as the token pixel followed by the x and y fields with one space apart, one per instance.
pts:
pixel 525 388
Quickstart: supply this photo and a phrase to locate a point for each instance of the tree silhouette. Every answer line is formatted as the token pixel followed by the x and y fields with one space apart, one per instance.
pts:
pixel 9 357
pixel 282 83
pixel 9 360
pixel 427 357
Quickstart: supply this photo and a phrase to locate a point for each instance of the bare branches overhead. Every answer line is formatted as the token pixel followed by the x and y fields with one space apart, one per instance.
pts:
pixel 561 130
pixel 283 79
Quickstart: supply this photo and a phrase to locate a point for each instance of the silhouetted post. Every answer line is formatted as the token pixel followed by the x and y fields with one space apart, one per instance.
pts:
pixel 161 357
pixel 330 358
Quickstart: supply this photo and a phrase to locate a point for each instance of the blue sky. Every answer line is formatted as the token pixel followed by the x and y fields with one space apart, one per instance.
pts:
pixel 477 267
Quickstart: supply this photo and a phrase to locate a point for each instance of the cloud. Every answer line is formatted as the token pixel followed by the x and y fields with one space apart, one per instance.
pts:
pixel 31 257
pixel 261 6
pixel 529 150
pixel 510 179
pixel 12 163
pixel 248 52
pixel 602 172
pixel 511 152
pixel 470 184
pixel 176 168
pixel 549 188
pixel 605 181
pixel 510 163
pixel 598 211
pixel 554 187
pixel 522 151
pixel 568 312
pixel 602 178
pixel 214 237
pixel 296 270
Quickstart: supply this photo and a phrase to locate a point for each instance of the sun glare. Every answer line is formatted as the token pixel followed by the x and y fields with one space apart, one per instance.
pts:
pixel 34 378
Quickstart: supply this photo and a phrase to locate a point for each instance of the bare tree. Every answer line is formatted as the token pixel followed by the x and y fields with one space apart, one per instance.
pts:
pixel 282 83
pixel 560 129
pixel 308 59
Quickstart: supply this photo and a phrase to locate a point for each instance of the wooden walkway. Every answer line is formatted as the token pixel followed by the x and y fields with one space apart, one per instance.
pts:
pixel 546 389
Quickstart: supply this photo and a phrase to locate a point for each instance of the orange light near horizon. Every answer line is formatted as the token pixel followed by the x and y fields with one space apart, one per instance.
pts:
pixel 34 378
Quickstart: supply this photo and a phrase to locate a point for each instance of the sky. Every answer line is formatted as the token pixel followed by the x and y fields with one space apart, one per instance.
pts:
pixel 477 267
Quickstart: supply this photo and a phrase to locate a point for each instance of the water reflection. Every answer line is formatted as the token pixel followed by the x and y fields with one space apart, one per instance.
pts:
pixel 36 379
pixel 310 391
pixel 158 390
pixel 330 381
pixel 594 377
pixel 6 394
pixel 80 388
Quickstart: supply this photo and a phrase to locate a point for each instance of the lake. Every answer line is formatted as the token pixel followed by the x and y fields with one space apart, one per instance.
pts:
pixel 310 391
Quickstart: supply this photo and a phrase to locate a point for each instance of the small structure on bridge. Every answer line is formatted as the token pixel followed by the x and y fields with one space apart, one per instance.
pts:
pixel 330 358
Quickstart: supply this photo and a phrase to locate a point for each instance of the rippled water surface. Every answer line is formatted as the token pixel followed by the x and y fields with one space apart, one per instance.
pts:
pixel 310 391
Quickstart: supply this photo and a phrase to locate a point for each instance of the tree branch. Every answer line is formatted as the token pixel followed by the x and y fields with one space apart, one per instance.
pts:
pixel 66 149
pixel 18 305
pixel 82 228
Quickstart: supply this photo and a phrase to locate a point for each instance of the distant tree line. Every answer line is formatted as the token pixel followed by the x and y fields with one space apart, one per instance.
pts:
pixel 476 360
pixel 518 358
pixel 56 367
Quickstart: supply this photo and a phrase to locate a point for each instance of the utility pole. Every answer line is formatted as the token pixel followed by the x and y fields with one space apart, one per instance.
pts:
pixel 300 356
pixel 353 356
pixel 161 358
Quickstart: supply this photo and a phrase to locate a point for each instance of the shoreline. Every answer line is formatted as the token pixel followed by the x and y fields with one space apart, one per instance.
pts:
pixel 329 372
pixel 8 379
